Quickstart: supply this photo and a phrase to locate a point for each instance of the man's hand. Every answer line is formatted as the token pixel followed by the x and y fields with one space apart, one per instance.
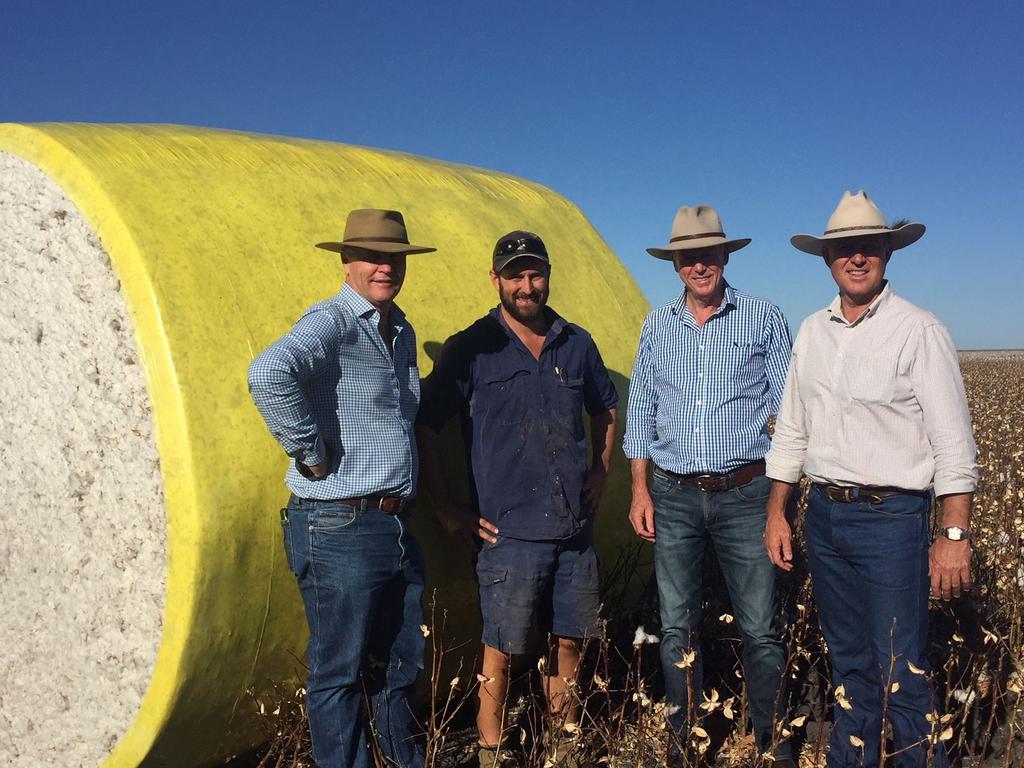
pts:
pixel 314 471
pixel 778 540
pixel 778 534
pixel 593 487
pixel 461 523
pixel 641 514
pixel 949 566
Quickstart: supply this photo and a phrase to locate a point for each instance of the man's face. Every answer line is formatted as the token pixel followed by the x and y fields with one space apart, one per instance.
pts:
pixel 858 266
pixel 703 271
pixel 523 288
pixel 377 277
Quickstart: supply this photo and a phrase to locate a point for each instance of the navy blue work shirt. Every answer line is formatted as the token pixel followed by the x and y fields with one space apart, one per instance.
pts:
pixel 522 420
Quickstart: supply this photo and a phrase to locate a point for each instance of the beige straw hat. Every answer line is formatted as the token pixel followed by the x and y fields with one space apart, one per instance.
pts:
pixel 376 230
pixel 696 227
pixel 857 216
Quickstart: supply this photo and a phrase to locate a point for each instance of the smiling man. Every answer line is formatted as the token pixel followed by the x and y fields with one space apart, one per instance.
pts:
pixel 874 413
pixel 340 393
pixel 708 375
pixel 521 378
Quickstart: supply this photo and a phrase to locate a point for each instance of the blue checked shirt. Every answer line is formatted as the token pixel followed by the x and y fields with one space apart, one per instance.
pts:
pixel 700 397
pixel 330 382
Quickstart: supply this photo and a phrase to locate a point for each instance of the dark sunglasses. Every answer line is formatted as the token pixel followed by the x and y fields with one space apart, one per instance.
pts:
pixel 520 245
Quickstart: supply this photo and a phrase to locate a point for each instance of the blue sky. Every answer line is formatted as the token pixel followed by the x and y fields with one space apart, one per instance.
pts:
pixel 766 110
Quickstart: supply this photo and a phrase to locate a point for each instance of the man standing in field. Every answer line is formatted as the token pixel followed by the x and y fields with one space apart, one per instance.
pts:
pixel 874 413
pixel 340 392
pixel 708 374
pixel 521 377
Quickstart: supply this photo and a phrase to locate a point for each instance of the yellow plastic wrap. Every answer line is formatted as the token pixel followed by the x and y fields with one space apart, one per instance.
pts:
pixel 211 234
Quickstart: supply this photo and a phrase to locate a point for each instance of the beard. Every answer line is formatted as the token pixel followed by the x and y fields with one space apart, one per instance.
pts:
pixel 523 313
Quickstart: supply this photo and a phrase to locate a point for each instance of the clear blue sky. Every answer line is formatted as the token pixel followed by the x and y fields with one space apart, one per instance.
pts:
pixel 766 110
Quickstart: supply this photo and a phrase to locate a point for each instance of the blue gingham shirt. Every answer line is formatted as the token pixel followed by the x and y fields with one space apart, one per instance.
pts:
pixel 330 383
pixel 700 397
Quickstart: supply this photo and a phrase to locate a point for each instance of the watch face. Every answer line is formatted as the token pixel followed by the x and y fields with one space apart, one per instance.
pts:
pixel 954 533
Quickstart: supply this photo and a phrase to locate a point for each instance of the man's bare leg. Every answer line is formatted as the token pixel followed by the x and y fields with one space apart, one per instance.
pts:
pixel 493 693
pixel 563 663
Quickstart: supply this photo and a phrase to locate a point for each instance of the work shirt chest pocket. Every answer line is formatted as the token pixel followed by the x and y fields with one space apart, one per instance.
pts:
pixel 569 403
pixel 746 360
pixel 870 378
pixel 506 397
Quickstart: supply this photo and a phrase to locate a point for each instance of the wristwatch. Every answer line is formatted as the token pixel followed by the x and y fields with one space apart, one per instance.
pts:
pixel 955 533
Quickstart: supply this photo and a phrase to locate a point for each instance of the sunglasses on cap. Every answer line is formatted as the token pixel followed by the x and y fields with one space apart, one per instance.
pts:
pixel 520 244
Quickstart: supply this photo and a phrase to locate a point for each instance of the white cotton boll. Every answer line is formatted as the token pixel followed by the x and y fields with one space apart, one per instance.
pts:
pixel 640 637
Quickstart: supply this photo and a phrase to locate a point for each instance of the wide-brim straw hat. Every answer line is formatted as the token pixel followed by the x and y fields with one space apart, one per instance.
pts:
pixel 374 229
pixel 858 216
pixel 696 227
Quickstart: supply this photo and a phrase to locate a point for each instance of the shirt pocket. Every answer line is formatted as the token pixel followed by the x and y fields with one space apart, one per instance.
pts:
pixel 506 397
pixel 746 360
pixel 870 379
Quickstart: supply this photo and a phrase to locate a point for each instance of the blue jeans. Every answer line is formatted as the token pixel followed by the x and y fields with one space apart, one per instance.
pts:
pixel 360 572
pixel 869 570
pixel 686 520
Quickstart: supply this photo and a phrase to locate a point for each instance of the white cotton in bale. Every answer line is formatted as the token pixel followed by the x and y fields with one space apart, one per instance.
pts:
pixel 82 529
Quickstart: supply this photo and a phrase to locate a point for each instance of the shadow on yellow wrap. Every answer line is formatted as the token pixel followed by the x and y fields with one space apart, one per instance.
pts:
pixel 211 234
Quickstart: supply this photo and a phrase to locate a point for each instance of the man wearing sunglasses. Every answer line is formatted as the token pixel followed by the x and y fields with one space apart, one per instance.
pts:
pixel 708 374
pixel 874 413
pixel 521 378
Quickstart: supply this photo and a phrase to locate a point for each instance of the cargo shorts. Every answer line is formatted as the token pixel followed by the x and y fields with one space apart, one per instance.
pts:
pixel 556 581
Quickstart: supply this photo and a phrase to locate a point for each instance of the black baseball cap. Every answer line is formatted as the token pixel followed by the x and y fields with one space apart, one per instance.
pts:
pixel 516 244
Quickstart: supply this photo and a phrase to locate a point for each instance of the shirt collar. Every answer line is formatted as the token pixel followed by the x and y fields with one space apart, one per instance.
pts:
pixel 835 309
pixel 556 327
pixel 361 307
pixel 729 300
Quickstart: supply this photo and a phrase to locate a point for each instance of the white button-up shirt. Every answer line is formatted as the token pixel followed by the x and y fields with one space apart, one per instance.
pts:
pixel 879 401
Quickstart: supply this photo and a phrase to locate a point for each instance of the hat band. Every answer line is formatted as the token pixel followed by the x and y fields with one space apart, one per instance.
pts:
pixel 403 240
pixel 865 226
pixel 697 237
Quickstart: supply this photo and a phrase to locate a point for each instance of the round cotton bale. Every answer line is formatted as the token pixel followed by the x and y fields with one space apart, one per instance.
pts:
pixel 143 583
pixel 82 535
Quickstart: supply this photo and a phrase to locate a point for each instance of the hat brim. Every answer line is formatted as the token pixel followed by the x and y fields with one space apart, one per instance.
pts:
pixel 515 256
pixel 379 246
pixel 669 251
pixel 898 238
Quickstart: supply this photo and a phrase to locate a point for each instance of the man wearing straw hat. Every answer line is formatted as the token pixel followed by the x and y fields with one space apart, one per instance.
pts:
pixel 340 393
pixel 874 413
pixel 709 373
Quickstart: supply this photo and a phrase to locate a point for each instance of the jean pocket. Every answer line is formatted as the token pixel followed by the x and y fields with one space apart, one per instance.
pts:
pixel 293 528
pixel 335 517
pixel 490 577
pixel 900 505
pixel 755 490
pixel 661 484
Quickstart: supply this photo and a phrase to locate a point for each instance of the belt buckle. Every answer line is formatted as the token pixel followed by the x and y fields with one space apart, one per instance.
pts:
pixel 846 494
pixel 703 481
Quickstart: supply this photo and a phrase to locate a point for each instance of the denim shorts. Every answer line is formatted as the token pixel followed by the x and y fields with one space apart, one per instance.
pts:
pixel 556 581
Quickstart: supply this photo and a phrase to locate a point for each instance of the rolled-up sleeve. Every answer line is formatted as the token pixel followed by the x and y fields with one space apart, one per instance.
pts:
pixel 642 403
pixel 778 348
pixel 447 387
pixel 939 389
pixel 785 459
pixel 599 393
pixel 276 379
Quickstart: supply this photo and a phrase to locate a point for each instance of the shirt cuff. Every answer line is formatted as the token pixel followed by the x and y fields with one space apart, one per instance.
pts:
pixel 313 456
pixel 781 470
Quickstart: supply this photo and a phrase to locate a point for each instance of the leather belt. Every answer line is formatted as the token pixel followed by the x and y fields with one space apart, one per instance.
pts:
pixel 844 494
pixel 720 482
pixel 391 505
